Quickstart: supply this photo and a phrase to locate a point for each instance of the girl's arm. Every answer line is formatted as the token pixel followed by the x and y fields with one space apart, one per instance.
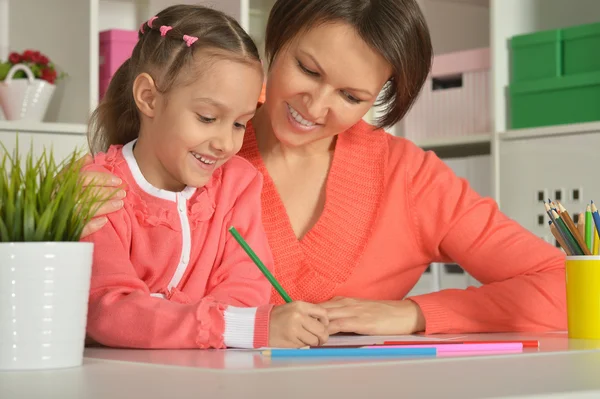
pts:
pixel 237 280
pixel 122 313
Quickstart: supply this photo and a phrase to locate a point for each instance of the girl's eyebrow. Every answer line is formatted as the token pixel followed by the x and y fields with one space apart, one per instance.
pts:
pixel 220 105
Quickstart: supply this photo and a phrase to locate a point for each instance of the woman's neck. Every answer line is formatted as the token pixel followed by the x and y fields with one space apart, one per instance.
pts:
pixel 269 144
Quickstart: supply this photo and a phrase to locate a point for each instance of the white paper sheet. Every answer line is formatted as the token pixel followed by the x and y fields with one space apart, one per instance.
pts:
pixel 347 339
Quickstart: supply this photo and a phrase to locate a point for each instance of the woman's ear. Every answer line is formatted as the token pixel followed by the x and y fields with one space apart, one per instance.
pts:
pixel 145 94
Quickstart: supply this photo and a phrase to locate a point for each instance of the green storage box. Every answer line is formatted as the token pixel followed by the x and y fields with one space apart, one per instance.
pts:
pixel 554 53
pixel 555 101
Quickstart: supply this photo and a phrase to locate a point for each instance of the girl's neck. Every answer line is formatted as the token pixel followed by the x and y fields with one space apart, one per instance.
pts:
pixel 269 144
pixel 152 170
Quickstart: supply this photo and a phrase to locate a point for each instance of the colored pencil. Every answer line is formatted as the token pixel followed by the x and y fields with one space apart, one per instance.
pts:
pixel 351 352
pixel 503 346
pixel 260 264
pixel 568 248
pixel 561 240
pixel 564 215
pixel 560 224
pixel 524 343
pixel 581 224
pixel 596 218
pixel 589 228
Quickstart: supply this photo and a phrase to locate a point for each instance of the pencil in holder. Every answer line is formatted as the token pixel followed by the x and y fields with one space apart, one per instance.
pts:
pixel 583 296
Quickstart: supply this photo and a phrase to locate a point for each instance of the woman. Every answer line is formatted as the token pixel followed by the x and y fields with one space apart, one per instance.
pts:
pixel 354 215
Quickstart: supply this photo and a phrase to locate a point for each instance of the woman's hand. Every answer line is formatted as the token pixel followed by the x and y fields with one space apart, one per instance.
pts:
pixel 105 184
pixel 297 324
pixel 373 317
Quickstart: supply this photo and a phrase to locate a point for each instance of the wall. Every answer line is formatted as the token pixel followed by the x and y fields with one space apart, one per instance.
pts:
pixel 3 30
pixel 456 26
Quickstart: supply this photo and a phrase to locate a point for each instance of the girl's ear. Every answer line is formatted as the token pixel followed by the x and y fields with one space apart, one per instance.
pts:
pixel 145 94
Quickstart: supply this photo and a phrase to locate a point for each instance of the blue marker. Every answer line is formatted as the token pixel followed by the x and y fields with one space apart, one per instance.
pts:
pixel 351 352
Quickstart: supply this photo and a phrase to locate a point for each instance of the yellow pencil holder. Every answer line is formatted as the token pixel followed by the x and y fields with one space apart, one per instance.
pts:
pixel 583 296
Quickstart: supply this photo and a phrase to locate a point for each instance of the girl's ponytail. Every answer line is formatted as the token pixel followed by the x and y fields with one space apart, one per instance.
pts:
pixel 116 120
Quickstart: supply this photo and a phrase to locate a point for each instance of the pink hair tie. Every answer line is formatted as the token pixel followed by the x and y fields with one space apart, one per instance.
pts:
pixel 164 29
pixel 189 40
pixel 151 20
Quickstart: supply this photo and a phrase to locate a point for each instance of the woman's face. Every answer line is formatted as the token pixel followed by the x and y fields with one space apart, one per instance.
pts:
pixel 323 83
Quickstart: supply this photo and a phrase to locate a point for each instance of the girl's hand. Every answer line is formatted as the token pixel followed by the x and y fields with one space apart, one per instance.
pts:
pixel 105 184
pixel 373 317
pixel 297 324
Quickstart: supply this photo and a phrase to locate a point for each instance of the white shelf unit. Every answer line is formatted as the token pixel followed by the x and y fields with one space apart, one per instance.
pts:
pixel 68 32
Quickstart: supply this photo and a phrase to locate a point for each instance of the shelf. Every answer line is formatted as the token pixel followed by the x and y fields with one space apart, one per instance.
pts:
pixel 444 142
pixel 461 146
pixel 549 131
pixel 43 127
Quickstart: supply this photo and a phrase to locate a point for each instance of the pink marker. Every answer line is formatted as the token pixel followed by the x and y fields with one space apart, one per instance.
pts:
pixel 511 346
pixel 478 353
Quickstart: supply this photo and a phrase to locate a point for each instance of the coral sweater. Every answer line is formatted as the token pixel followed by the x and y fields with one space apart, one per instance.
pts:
pixel 167 274
pixel 391 209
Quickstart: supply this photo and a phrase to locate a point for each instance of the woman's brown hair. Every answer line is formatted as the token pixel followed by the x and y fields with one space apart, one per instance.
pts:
pixel 116 120
pixel 396 29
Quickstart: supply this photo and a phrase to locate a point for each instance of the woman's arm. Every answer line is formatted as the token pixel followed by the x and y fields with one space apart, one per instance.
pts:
pixel 523 276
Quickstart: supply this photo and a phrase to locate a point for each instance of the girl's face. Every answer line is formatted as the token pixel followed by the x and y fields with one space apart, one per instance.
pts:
pixel 196 128
pixel 323 83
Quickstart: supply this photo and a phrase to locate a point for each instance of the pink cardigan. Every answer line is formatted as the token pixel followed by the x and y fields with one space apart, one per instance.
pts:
pixel 166 272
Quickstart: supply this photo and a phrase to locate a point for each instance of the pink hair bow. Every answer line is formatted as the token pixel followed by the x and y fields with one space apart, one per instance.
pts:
pixel 189 40
pixel 151 20
pixel 164 29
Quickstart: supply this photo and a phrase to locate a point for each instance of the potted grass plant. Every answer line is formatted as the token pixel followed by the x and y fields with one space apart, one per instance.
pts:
pixel 44 269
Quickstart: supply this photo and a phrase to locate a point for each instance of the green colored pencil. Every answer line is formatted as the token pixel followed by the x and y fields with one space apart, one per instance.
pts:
pixel 589 228
pixel 260 265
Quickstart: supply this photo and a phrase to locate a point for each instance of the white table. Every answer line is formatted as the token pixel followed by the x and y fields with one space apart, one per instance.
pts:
pixel 561 368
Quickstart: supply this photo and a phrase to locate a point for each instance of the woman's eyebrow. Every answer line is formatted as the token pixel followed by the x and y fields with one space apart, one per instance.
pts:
pixel 322 71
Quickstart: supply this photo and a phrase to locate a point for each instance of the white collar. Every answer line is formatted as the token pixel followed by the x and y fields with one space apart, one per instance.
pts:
pixel 145 184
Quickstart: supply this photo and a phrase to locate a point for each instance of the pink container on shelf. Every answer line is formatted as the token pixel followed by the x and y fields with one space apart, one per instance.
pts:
pixel 116 46
pixel 454 100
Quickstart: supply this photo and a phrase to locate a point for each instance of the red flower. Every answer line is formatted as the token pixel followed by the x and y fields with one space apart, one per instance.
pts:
pixel 28 55
pixel 44 60
pixel 49 75
pixel 36 57
pixel 14 58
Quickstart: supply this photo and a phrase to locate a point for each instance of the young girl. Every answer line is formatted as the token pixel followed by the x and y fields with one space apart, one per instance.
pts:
pixel 166 273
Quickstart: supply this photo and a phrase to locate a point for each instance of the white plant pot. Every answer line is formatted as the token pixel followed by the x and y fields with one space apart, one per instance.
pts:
pixel 44 290
pixel 25 98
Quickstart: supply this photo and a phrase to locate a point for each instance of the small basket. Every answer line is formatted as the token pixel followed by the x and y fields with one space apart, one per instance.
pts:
pixel 26 99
